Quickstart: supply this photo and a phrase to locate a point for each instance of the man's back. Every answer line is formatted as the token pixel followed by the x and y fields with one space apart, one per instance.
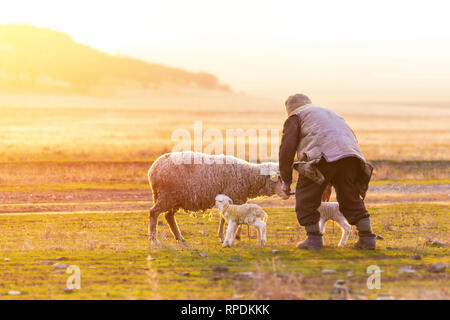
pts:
pixel 324 133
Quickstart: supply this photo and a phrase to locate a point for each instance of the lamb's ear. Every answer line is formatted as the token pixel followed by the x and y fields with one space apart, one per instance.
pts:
pixel 230 201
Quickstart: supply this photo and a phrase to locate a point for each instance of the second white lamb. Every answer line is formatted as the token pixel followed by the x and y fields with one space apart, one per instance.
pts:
pixel 330 211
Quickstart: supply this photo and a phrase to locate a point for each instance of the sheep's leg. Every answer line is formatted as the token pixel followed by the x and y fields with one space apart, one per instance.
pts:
pixel 172 222
pixel 221 224
pixel 155 211
pixel 238 232
pixel 229 235
pixel 345 231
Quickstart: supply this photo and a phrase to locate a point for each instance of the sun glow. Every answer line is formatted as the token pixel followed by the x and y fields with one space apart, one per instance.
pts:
pixel 273 48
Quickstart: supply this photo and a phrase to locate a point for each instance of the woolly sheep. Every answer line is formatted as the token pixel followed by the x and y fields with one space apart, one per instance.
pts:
pixel 330 211
pixel 248 213
pixel 191 180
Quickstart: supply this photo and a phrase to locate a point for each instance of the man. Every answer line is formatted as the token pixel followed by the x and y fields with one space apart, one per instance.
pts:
pixel 329 154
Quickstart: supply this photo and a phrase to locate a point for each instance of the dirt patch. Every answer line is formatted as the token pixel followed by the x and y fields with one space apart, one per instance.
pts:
pixel 410 188
pixel 76 195
pixel 141 199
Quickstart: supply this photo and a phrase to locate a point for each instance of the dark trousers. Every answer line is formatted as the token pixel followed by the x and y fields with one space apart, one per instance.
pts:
pixel 341 174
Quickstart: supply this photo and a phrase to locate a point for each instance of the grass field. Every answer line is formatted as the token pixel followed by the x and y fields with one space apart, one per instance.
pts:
pixel 117 262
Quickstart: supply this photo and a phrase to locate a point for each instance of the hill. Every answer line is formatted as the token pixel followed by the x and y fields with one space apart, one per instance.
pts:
pixel 32 56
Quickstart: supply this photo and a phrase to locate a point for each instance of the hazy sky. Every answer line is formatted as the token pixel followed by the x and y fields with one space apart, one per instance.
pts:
pixel 360 49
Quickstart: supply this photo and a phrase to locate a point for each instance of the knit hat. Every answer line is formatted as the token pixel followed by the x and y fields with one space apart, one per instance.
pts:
pixel 296 101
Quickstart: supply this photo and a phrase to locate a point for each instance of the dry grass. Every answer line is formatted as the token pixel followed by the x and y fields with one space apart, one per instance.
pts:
pixel 39 174
pixel 137 126
pixel 277 284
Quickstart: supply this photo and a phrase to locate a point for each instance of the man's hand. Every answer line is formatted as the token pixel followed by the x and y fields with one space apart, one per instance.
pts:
pixel 286 188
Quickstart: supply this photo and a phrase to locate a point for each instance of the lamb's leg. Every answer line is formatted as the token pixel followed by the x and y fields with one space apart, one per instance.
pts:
pixel 261 227
pixel 322 224
pixel 228 238
pixel 234 229
pixel 239 227
pixel 172 222
pixel 220 231
pixel 155 211
pixel 263 234
pixel 221 224
pixel 258 233
pixel 345 231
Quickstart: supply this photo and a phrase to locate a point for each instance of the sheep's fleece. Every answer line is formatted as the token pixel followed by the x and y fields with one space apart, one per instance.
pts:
pixel 191 180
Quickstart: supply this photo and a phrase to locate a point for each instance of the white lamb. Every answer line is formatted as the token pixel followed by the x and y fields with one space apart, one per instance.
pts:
pixel 330 211
pixel 235 215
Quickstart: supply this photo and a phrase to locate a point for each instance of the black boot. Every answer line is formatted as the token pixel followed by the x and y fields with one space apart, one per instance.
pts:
pixel 366 242
pixel 313 242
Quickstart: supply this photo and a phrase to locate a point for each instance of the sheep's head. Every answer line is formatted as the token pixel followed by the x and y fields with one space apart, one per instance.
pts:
pixel 223 201
pixel 275 180
pixel 278 186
